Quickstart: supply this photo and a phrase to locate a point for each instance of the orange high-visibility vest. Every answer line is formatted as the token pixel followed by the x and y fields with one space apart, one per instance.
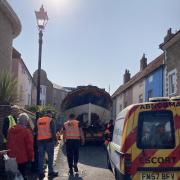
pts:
pixel 72 130
pixel 44 129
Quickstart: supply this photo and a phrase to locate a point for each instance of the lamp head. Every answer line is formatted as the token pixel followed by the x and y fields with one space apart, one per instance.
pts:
pixel 42 18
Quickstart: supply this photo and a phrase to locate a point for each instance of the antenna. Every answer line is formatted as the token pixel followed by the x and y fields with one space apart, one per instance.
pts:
pixel 109 90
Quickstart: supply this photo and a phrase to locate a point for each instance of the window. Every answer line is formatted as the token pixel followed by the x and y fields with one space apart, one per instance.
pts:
pixel 150 93
pixel 117 133
pixel 156 130
pixel 150 79
pixel 140 83
pixel 140 98
pixel 172 82
pixel 29 99
pixel 125 104
pixel 120 107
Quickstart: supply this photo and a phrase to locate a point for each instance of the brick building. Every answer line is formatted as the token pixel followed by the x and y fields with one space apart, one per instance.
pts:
pixel 171 48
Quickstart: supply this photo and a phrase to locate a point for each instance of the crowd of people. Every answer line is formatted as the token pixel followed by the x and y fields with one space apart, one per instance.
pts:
pixel 29 146
pixel 25 143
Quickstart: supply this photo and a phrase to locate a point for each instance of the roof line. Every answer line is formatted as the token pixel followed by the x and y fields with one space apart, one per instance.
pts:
pixel 139 75
pixel 20 58
pixel 12 16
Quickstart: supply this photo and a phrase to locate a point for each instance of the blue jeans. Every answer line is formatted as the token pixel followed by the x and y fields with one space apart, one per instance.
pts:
pixel 45 146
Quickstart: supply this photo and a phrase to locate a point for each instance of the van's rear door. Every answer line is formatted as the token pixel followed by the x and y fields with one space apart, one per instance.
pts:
pixel 155 155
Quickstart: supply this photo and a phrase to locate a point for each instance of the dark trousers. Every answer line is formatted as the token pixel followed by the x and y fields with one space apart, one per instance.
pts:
pixel 45 146
pixel 34 165
pixel 72 149
pixel 25 169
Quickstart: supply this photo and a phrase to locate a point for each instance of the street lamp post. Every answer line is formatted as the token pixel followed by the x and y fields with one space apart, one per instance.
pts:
pixel 42 18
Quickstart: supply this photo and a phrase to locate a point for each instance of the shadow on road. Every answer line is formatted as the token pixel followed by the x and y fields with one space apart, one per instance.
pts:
pixel 75 177
pixel 91 155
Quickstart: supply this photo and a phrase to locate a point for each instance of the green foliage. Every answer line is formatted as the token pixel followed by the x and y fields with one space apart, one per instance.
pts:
pixel 33 108
pixel 8 89
pixel 42 109
pixel 49 107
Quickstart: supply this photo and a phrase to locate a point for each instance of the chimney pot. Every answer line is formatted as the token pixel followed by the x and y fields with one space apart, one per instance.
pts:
pixel 127 76
pixel 143 62
pixel 168 35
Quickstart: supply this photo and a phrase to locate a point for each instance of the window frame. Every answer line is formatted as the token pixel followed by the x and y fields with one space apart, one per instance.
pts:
pixel 150 93
pixel 170 82
pixel 140 100
pixel 117 136
pixel 140 130
pixel 150 79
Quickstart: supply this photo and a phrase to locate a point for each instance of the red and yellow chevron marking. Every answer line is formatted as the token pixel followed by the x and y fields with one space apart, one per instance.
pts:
pixel 131 138
pixel 156 153
pixel 128 137
pixel 129 141
pixel 177 121
pixel 174 153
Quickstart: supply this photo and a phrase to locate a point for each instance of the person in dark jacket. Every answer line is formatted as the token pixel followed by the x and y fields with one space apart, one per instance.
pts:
pixel 108 133
pixel 20 144
pixel 46 138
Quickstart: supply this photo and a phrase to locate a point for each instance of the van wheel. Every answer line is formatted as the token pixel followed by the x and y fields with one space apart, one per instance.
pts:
pixel 116 175
pixel 108 163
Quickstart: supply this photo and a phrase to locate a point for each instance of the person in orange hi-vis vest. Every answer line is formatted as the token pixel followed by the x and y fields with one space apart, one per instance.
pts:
pixel 72 135
pixel 46 138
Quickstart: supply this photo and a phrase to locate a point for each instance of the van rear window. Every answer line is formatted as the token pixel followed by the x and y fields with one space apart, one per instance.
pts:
pixel 156 130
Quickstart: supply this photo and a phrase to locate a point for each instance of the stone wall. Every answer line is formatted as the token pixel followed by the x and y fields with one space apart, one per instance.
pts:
pixel 6 38
pixel 10 27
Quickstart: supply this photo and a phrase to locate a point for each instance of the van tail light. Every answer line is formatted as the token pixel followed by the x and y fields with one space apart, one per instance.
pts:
pixel 127 163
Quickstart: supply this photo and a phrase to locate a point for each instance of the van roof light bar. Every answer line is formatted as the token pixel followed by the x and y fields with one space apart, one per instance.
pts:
pixel 175 98
pixel 158 99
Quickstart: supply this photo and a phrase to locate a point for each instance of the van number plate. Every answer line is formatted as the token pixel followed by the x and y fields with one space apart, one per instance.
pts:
pixel 158 176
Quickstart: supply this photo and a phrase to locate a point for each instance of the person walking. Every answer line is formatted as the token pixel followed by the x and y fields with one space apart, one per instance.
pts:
pixel 108 133
pixel 46 137
pixel 8 122
pixel 72 134
pixel 20 144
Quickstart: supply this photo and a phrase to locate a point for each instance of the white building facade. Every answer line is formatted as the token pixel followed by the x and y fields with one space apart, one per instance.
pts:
pixel 43 90
pixel 138 92
pixel 24 79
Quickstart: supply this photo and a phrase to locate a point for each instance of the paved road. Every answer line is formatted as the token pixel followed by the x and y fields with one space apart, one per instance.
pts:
pixel 92 164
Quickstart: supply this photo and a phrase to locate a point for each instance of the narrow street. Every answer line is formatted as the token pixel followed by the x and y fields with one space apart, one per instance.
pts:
pixel 92 164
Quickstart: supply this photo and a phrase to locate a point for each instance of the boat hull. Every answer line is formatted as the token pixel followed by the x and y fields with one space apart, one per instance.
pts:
pixel 88 109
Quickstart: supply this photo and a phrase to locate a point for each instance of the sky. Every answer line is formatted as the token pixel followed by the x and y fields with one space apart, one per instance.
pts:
pixel 92 42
